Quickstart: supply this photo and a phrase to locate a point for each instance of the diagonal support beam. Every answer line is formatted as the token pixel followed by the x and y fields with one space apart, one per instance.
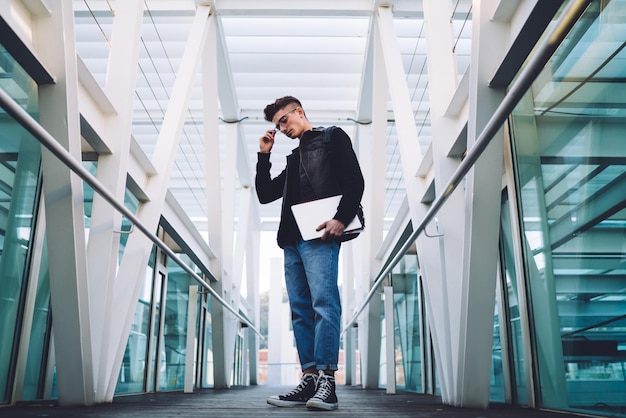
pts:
pixel 135 260
pixel 103 245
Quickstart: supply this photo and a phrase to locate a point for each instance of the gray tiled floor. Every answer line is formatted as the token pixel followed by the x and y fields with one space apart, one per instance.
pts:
pixel 250 402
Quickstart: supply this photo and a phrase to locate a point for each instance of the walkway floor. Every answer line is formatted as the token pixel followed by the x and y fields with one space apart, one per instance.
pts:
pixel 249 402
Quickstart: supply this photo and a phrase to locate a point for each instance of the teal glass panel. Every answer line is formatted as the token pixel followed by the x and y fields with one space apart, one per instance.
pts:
pixel 496 382
pixel 133 373
pixel 407 311
pixel 240 356
pixel 37 361
pixel 19 190
pixel 173 348
pixel 511 302
pixel 570 156
pixel 207 347
pixel 154 350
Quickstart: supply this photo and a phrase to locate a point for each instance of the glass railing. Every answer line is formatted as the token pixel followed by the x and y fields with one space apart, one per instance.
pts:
pixel 21 116
pixel 20 158
pixel 570 162
pixel 517 90
pixel 539 60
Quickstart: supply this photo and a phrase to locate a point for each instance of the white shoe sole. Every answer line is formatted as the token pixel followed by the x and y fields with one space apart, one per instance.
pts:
pixel 315 404
pixel 288 404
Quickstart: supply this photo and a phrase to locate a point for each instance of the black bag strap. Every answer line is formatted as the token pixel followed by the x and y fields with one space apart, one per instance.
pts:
pixel 347 237
pixel 327 132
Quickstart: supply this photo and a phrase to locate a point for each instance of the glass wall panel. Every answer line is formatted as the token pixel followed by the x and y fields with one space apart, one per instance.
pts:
pixel 207 347
pixel 155 348
pixel 133 373
pixel 407 324
pixel 19 178
pixel 571 173
pixel 496 384
pixel 35 373
pixel 239 357
pixel 173 350
pixel 511 295
pixel 382 358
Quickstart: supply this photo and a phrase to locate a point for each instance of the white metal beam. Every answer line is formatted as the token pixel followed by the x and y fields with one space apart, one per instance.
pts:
pixel 291 8
pixel 222 246
pixel 390 341
pixel 135 259
pixel 440 278
pixel 103 245
pixel 408 140
pixel 482 206
pixel 69 292
pixel 371 147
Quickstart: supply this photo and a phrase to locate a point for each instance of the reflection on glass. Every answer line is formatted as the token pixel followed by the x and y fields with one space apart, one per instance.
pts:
pixel 34 377
pixel 133 372
pixel 511 297
pixel 571 172
pixel 496 383
pixel 407 320
pixel 154 352
pixel 19 177
pixel 173 349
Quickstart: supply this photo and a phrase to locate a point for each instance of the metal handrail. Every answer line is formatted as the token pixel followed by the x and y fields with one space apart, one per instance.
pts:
pixel 527 76
pixel 48 141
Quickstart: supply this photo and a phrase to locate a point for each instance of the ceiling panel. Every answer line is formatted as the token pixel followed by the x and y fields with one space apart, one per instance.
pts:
pixel 314 50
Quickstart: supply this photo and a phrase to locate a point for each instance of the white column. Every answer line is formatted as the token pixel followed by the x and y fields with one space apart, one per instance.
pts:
pixel 246 248
pixel 102 249
pixel 137 251
pixel 69 284
pixel 373 144
pixel 408 141
pixel 215 209
pixel 440 254
pixel 390 347
pixel 228 283
pixel 482 214
pixel 190 343
pixel 276 325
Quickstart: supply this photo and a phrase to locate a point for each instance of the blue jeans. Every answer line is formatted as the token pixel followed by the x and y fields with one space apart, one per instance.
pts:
pixel 311 269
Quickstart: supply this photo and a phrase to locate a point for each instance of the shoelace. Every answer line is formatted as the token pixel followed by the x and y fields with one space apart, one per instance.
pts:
pixel 298 388
pixel 323 387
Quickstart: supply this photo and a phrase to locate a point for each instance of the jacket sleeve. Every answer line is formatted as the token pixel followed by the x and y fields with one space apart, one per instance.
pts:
pixel 268 189
pixel 349 175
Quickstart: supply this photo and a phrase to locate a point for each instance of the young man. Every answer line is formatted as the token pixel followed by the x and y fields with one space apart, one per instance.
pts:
pixel 316 169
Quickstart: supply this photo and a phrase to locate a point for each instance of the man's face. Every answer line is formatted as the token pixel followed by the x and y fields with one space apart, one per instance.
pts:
pixel 290 120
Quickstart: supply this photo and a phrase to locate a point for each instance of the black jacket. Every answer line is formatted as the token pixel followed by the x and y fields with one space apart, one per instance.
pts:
pixel 314 170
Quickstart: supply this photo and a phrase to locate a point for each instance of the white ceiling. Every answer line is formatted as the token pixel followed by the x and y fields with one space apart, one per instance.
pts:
pixel 314 50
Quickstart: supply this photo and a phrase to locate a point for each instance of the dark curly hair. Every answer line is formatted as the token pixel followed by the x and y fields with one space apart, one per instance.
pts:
pixel 271 109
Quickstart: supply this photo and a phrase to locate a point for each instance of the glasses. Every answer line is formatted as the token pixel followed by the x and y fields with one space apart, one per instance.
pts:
pixel 283 119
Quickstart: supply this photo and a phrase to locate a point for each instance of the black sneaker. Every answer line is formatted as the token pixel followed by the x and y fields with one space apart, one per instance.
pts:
pixel 325 396
pixel 298 396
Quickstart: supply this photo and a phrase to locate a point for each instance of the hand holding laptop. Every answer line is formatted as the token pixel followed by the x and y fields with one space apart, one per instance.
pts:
pixel 312 217
pixel 331 228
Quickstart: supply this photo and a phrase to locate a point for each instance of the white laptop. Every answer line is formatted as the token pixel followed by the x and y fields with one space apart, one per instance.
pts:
pixel 310 215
